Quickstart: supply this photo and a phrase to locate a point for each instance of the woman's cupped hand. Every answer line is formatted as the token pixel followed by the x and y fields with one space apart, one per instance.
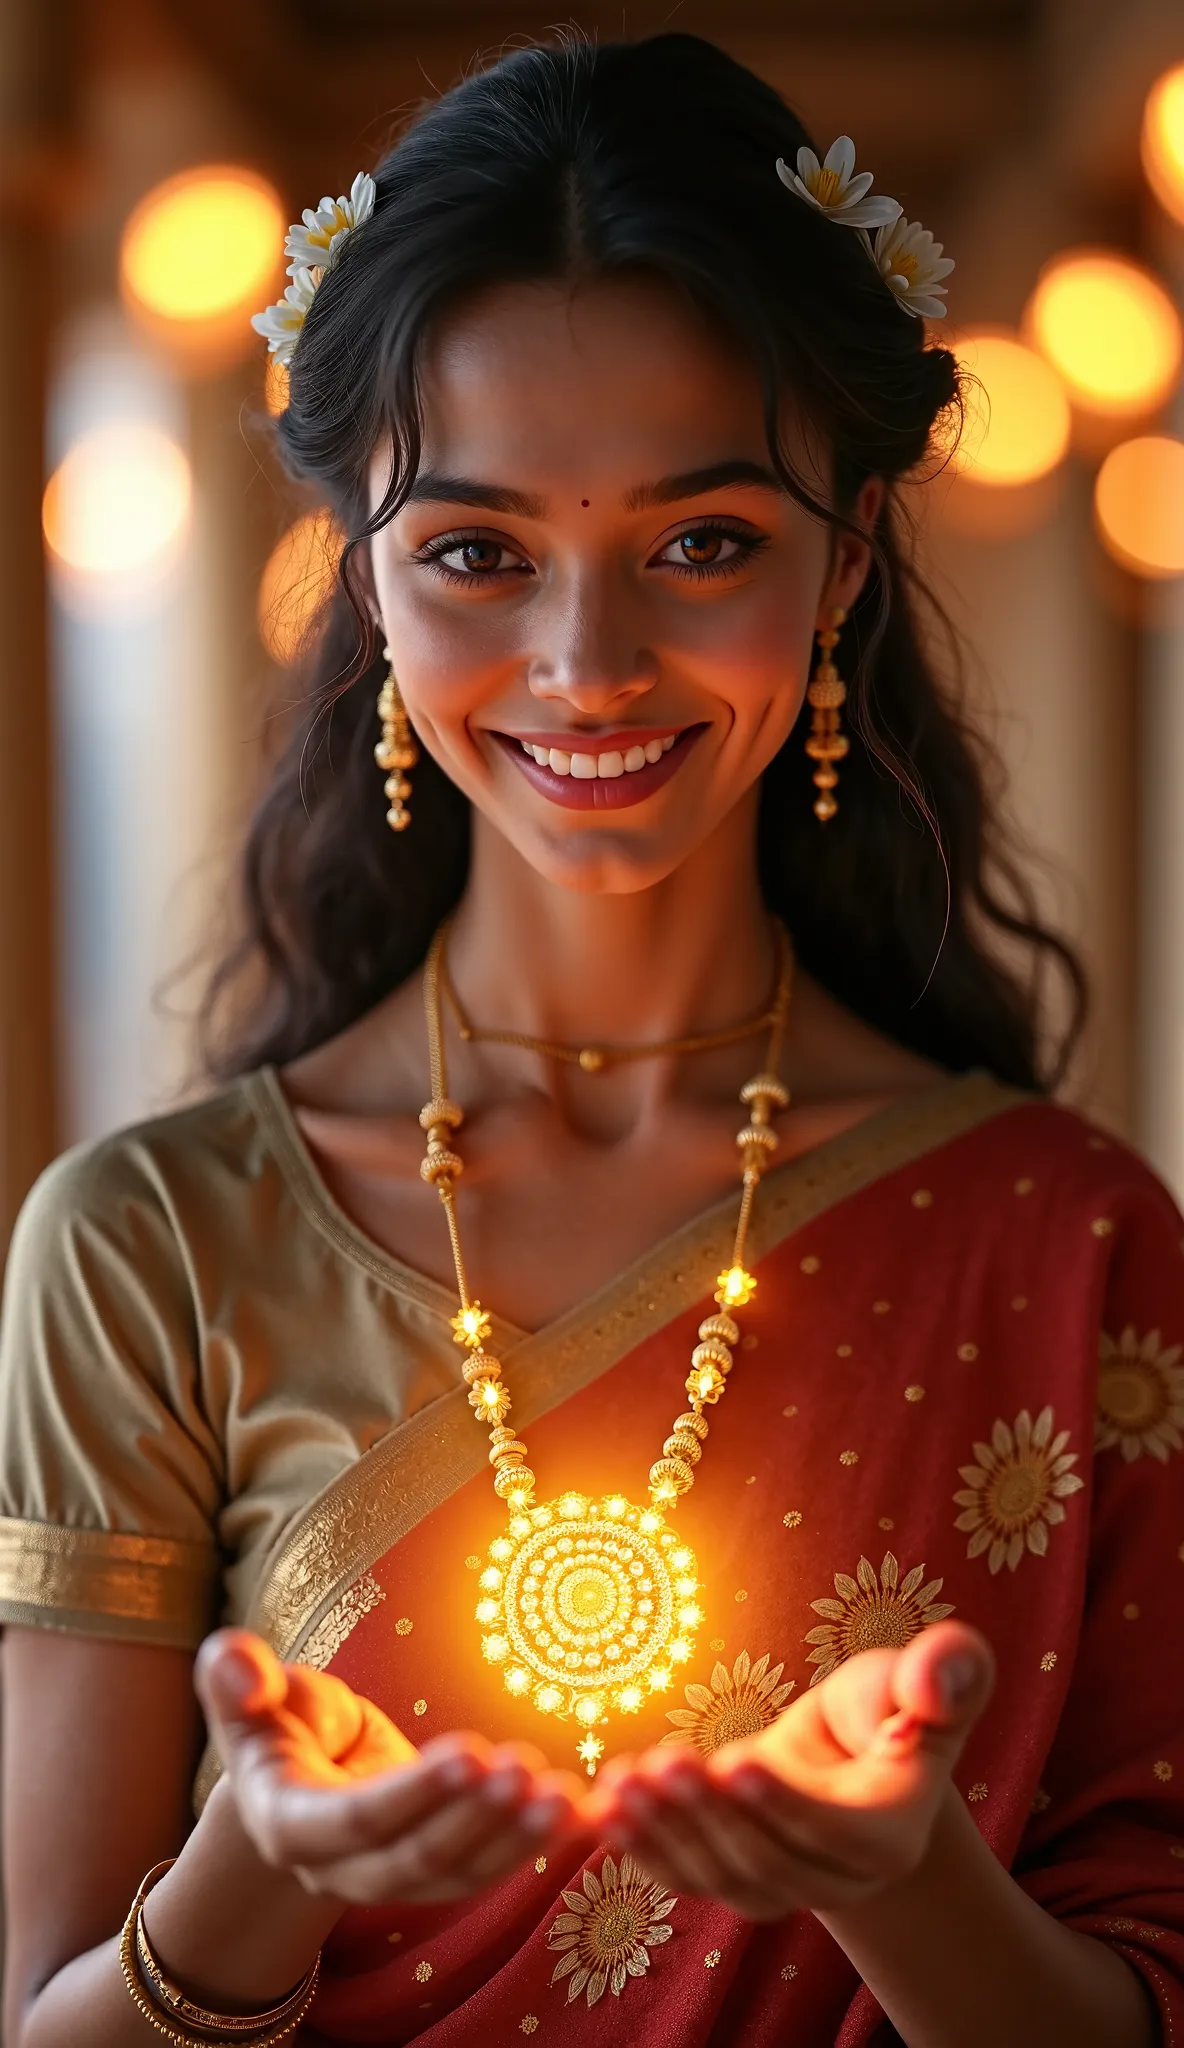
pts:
pixel 827 1806
pixel 831 1804
pixel 327 1787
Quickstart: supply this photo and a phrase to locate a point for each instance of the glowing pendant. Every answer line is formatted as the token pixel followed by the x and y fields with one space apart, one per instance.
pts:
pixel 588 1607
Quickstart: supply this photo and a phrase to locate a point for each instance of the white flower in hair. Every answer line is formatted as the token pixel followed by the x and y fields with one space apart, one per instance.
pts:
pixel 315 239
pixel 912 265
pixel 281 324
pixel 832 188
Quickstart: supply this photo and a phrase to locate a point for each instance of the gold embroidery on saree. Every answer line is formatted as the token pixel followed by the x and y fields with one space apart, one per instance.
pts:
pixel 338 1625
pixel 1015 1488
pixel 1140 1395
pixel 737 1703
pixel 606 1935
pixel 873 1613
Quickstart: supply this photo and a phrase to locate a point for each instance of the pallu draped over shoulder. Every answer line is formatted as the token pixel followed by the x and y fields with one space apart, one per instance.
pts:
pixel 960 1390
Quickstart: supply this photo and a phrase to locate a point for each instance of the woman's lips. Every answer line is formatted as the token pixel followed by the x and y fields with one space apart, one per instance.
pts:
pixel 604 792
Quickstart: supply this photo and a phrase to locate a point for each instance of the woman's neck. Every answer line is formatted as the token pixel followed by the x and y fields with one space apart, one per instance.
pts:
pixel 693 953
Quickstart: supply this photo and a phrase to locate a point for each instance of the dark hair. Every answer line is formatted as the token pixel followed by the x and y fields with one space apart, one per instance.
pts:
pixel 573 160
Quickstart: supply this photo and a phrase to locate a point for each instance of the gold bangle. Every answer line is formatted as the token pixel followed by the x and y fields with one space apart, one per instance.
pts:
pixel 176 2017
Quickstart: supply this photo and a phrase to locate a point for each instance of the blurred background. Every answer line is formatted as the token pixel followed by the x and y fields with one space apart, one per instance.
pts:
pixel 156 572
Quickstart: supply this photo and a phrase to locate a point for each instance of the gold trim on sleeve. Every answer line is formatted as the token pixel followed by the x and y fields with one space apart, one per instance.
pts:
pixel 103 1582
pixel 421 1464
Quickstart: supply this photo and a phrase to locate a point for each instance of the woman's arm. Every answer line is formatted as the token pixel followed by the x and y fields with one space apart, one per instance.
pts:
pixel 845 1807
pixel 323 1802
pixel 959 1956
pixel 100 1743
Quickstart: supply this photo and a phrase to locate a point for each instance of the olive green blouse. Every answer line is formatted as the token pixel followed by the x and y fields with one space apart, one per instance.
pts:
pixel 196 1341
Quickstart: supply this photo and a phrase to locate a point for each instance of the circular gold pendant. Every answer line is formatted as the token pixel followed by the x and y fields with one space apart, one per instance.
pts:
pixel 587 1607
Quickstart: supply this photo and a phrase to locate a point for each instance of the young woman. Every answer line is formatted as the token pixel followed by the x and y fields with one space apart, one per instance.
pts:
pixel 614 413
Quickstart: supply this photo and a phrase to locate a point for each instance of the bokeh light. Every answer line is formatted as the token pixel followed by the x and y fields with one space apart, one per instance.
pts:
pixel 1109 328
pixel 1017 417
pixel 1139 503
pixel 117 507
pixel 1163 141
pixel 201 253
pixel 301 571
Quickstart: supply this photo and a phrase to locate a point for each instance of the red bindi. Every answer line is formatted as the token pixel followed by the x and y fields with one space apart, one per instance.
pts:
pixel 585 501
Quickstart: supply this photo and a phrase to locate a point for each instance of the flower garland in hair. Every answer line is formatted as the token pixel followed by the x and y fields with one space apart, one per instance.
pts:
pixel 312 246
pixel 908 259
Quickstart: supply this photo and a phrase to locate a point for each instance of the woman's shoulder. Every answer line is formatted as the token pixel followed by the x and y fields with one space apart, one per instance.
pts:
pixel 153 1168
pixel 1056 1155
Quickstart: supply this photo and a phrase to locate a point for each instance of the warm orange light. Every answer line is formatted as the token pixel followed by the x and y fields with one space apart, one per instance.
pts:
pixel 1163 141
pixel 1110 329
pixel 1139 502
pixel 1018 419
pixel 275 386
pixel 300 573
pixel 201 253
pixel 117 506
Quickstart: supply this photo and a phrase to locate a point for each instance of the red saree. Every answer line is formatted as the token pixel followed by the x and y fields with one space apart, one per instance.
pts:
pixel 959 1391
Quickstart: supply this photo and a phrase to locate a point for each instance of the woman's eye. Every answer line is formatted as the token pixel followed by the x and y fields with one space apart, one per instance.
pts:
pixel 706 547
pixel 478 557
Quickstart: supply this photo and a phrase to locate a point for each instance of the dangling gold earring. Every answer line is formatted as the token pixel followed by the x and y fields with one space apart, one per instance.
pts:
pixel 826 744
pixel 396 750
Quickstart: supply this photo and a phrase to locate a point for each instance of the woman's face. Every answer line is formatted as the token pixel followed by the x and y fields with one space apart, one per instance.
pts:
pixel 599 602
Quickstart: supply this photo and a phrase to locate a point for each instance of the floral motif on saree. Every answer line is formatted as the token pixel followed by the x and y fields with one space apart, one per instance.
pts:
pixel 609 1929
pixel 873 1613
pixel 737 1703
pixel 1140 1395
pixel 1015 1488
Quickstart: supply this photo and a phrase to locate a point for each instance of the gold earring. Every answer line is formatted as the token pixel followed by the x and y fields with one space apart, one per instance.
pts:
pixel 826 744
pixel 396 750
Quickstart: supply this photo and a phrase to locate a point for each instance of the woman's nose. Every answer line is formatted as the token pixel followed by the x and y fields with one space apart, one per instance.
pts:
pixel 587 653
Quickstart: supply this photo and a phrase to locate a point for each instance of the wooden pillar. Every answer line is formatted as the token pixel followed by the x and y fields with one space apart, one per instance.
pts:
pixel 35 44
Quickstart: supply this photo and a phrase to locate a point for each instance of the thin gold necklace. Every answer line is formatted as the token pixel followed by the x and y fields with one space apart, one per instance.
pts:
pixel 588 1605
pixel 595 1058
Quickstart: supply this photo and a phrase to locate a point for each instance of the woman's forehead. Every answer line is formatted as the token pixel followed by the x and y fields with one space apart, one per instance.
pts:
pixel 621 380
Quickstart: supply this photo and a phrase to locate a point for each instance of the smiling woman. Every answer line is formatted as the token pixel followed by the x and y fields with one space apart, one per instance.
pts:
pixel 612 405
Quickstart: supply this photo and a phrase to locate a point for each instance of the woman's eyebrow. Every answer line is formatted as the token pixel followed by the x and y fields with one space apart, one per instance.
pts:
pixel 433 487
pixel 717 476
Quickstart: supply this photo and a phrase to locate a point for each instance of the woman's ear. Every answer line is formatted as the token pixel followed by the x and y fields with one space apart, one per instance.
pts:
pixel 852 551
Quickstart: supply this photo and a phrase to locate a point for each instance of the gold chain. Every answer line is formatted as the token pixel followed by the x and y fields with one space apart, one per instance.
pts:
pixel 586 1608
pixel 442 1166
pixel 593 1059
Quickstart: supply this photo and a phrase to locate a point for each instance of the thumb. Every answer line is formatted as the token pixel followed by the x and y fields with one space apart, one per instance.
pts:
pixel 239 1681
pixel 942 1680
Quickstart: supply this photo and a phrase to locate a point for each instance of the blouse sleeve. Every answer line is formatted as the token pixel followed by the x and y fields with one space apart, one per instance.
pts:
pixel 1104 1849
pixel 109 1471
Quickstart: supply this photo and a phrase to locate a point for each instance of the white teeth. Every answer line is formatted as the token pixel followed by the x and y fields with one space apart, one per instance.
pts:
pixel 587 767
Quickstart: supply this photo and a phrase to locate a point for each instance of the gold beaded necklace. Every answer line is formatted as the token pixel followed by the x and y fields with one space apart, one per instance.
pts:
pixel 588 1605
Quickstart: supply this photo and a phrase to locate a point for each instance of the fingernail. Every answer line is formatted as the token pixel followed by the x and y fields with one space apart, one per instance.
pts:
pixel 236 1675
pixel 748 1785
pixel 637 1801
pixel 503 1786
pixel 958 1678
